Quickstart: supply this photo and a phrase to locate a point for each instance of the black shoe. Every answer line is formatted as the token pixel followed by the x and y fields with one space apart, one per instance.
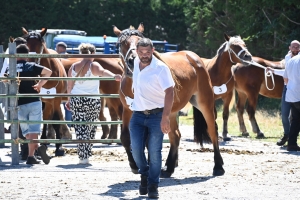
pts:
pixel 42 152
pixel 153 192
pixel 283 140
pixel 31 160
pixel 293 148
pixel 143 186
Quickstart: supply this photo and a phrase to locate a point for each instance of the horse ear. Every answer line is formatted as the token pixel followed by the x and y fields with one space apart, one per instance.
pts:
pixel 25 32
pixel 43 32
pixel 141 27
pixel 226 37
pixel 11 39
pixel 116 31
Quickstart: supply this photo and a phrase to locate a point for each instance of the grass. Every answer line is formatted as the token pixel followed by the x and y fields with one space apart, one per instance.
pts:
pixel 269 123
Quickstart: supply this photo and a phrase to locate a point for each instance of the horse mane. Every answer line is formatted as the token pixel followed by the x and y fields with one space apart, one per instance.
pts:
pixel 221 48
pixel 178 86
pixel 125 34
pixel 236 40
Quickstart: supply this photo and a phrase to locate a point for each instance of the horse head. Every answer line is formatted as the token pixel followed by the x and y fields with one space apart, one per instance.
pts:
pixel 237 50
pixel 35 41
pixel 128 40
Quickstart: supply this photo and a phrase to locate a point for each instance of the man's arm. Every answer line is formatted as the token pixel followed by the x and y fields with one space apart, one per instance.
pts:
pixel 168 103
pixel 46 72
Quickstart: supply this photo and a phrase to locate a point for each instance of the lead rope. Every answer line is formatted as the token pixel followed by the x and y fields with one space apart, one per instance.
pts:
pixel 267 74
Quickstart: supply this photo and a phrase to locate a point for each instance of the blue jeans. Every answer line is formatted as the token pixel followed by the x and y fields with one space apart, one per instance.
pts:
pixel 285 112
pixel 68 114
pixel 143 127
pixel 33 112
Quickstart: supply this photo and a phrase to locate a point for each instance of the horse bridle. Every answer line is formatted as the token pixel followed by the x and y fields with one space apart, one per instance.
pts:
pixel 230 51
pixel 125 34
pixel 36 36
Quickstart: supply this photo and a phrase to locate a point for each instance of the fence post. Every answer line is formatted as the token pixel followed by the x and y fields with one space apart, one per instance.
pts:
pixel 2 91
pixel 13 104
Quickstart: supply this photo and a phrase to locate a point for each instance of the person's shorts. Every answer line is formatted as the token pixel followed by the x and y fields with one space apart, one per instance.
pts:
pixel 30 112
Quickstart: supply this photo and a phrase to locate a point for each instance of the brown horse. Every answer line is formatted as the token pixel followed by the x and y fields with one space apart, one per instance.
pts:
pixel 106 87
pixel 52 110
pixel 192 84
pixel 249 82
pixel 219 69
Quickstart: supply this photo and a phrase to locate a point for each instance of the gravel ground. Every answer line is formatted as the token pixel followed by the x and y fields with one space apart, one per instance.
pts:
pixel 254 170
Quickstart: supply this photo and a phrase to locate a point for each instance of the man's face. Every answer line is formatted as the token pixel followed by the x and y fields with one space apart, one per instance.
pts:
pixel 145 54
pixel 294 47
pixel 60 49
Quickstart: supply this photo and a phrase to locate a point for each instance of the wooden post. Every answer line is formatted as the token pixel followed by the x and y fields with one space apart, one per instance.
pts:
pixel 13 105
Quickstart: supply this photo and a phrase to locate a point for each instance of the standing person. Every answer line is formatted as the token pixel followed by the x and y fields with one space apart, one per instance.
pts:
pixel 61 48
pixel 286 106
pixel 86 108
pixel 153 99
pixel 30 108
pixel 292 78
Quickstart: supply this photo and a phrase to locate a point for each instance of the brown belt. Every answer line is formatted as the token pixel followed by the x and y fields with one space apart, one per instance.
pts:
pixel 153 111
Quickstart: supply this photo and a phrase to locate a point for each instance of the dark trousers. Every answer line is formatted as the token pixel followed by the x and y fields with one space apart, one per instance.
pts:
pixel 295 123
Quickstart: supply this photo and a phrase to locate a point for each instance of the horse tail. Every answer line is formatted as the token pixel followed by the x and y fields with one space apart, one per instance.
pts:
pixel 200 127
pixel 232 101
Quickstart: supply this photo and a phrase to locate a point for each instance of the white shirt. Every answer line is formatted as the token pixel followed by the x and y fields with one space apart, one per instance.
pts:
pixel 292 73
pixel 150 84
pixel 86 87
pixel 5 64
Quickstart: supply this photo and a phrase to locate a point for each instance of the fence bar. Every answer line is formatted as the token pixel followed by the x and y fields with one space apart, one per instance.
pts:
pixel 60 95
pixel 60 122
pixel 59 78
pixel 12 107
pixel 64 141
pixel 59 55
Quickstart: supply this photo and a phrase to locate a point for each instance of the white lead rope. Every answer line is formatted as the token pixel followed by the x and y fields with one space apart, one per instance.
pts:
pixel 267 73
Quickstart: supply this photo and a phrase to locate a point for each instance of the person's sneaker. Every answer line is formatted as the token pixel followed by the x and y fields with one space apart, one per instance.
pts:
pixel 84 161
pixel 293 148
pixel 153 192
pixel 143 186
pixel 42 152
pixel 283 140
pixel 31 160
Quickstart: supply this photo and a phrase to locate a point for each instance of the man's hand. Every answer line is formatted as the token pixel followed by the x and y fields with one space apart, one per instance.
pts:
pixel 165 125
pixel 37 87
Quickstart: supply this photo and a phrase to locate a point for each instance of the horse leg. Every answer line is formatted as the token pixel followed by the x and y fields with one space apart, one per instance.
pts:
pixel 252 102
pixel 174 137
pixel 114 117
pixel 47 115
pixel 125 139
pixel 102 118
pixel 240 106
pixel 226 102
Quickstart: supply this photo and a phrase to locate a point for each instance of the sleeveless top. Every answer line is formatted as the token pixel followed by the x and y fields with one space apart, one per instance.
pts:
pixel 87 86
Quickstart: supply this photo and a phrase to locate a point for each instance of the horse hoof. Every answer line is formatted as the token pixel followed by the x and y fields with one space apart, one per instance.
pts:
pixel 60 152
pixel 226 139
pixel 245 134
pixel 165 174
pixel 135 171
pixel 260 135
pixel 218 172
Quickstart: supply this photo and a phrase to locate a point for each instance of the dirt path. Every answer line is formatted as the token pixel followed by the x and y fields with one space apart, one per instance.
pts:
pixel 254 170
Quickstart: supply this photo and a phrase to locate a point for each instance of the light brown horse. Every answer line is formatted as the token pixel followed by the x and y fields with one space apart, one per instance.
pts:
pixel 52 110
pixel 192 84
pixel 106 87
pixel 219 69
pixel 249 82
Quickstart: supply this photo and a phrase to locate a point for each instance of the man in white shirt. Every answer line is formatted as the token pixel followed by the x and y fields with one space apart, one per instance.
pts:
pixel 292 78
pixel 153 87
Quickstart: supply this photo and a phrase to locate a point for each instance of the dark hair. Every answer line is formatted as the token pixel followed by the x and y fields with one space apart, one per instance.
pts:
pixel 144 42
pixel 20 40
pixel 22 48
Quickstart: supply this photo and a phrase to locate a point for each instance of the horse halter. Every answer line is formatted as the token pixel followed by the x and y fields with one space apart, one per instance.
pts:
pixel 125 35
pixel 35 35
pixel 243 50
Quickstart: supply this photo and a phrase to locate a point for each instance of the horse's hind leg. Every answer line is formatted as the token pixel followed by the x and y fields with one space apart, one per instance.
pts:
pixel 174 137
pixel 240 107
pixel 252 102
pixel 113 110
pixel 226 102
pixel 105 128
